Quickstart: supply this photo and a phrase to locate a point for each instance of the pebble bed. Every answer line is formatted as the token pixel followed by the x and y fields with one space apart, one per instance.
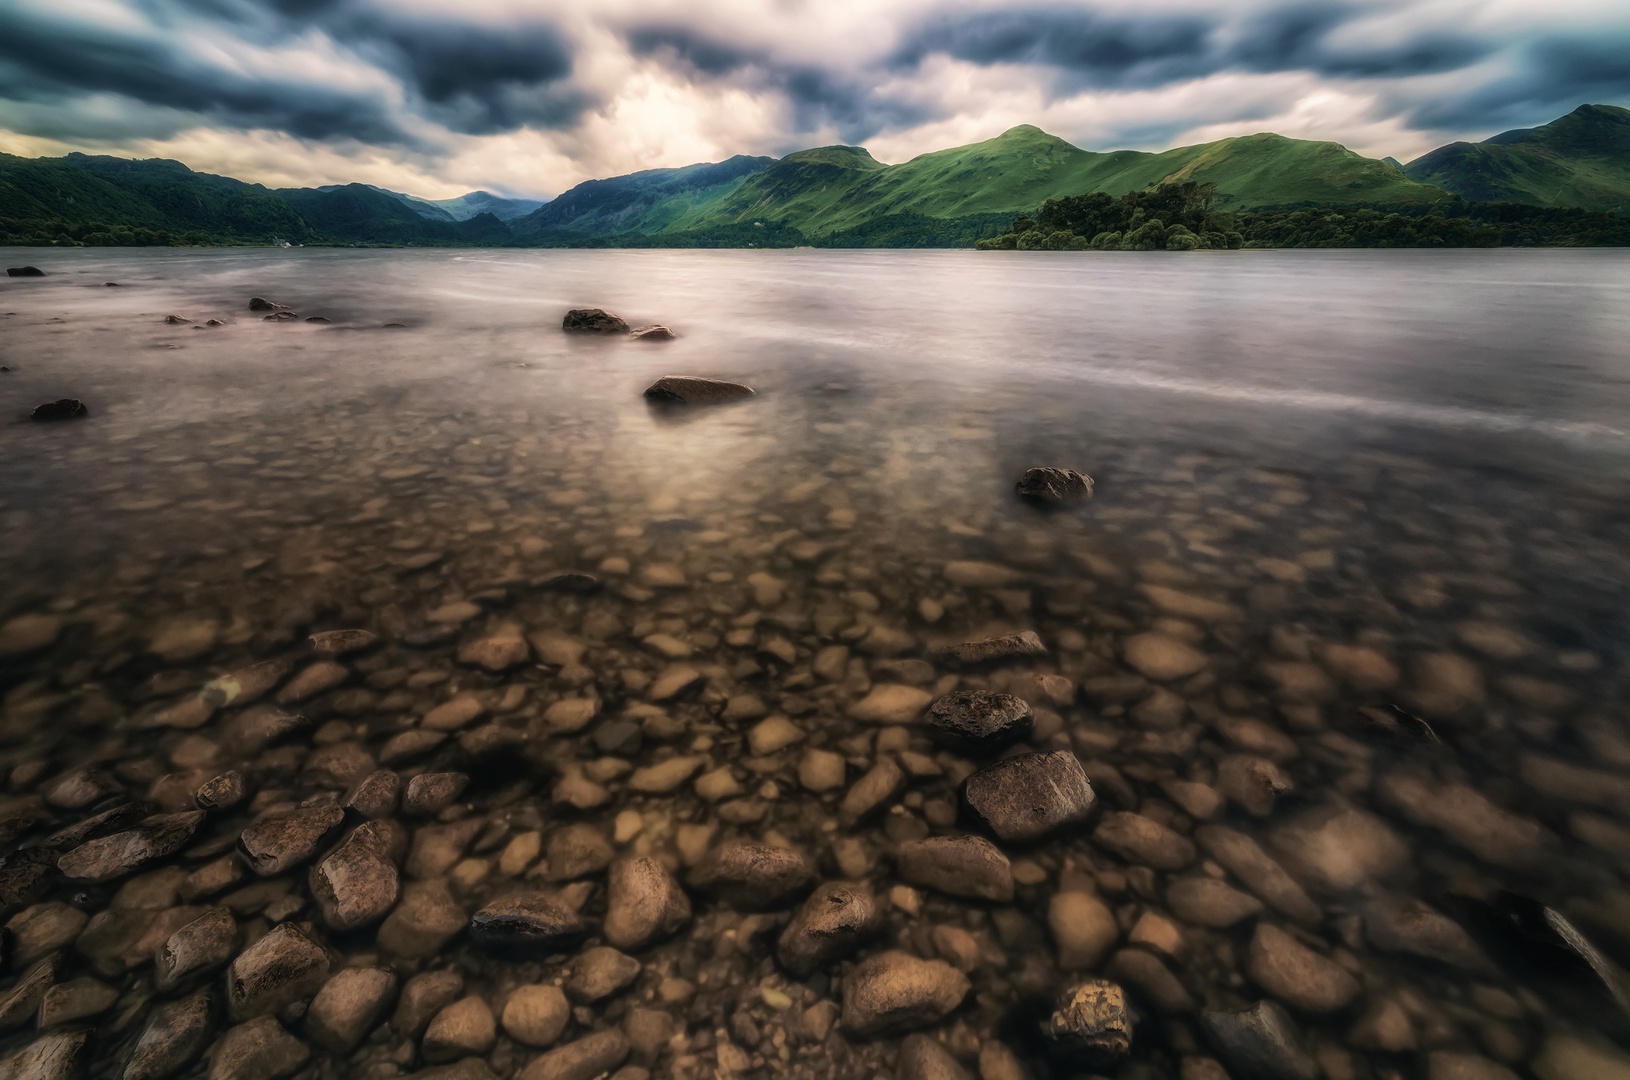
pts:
pixel 449 742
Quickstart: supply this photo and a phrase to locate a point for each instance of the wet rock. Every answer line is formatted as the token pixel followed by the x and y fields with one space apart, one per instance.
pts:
pixel 21 1001
pixel 874 791
pixel 1254 783
pixel 313 680
pixel 583 1059
pixel 342 642
pixel 1083 928
pixel 60 409
pixel 643 903
pixel 592 321
pixel 1244 858
pixel 174 1037
pixel 205 943
pixel 110 857
pixel 51 1057
pixel 1154 982
pixel 753 876
pixel 536 1015
pixel 1163 658
pixel 891 704
pixel 28 633
pixel 769 736
pixel 530 924
pixel 257 1050
pixel 431 793
pixel 821 770
pixel 74 1000
pixel 1443 1065
pixel 960 865
pixel 348 1007
pixel 992 650
pixel 1338 847
pixel 1466 816
pixel 895 991
pixel 43 929
pixel 24 271
pixel 357 883
pixel 691 390
pixel 577 851
pixel 453 714
pixel 654 332
pixel 1407 925
pixel 337 766
pixel 1024 798
pixel 260 303
pixel 437 847
pixel 1259 1041
pixel 262 726
pixel 924 1058
pixel 1297 975
pixel 600 972
pixel 497 652
pixel 836 920
pixel 222 793
pixel 665 776
pixel 462 1029
pixel 422 998
pixel 979 722
pixel 1050 485
pixel 281 968
pixel 374 796
pixel 283 841
pixel 1140 840
pixel 1205 901
pixel 1091 1019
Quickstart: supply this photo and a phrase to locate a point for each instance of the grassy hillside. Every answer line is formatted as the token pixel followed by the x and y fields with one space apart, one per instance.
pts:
pixel 1581 160
pixel 639 204
pixel 836 189
pixel 359 214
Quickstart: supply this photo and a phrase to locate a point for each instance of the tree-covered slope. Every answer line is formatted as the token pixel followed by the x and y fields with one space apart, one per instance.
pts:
pixel 1580 160
pixel 359 214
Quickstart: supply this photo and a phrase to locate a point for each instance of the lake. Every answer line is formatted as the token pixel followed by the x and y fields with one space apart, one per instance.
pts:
pixel 1338 642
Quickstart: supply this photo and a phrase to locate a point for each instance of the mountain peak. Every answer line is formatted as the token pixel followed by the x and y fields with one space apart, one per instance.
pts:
pixel 846 157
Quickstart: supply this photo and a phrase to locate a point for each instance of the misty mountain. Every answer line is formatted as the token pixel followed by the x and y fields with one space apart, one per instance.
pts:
pixel 1581 160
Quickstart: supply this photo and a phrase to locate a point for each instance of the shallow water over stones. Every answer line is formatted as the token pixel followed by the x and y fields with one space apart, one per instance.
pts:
pixel 376 701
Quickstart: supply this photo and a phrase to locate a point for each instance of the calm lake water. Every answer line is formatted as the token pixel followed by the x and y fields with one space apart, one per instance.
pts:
pixel 1340 641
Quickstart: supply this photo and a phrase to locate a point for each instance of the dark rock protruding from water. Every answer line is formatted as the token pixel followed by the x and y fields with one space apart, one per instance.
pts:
pixel 992 650
pixel 531 922
pixel 24 271
pixel 280 316
pixel 1090 1019
pixel 177 320
pixel 260 303
pixel 834 922
pixel 651 333
pixel 1259 1041
pixel 1026 797
pixel 1050 485
pixel 61 409
pixel 754 876
pixel 979 722
pixel 592 321
pixel 693 390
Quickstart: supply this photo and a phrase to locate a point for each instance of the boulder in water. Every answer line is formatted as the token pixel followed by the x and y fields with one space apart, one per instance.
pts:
pixel 655 332
pixel 61 409
pixel 280 316
pixel 177 320
pixel 24 271
pixel 691 390
pixel 260 303
pixel 592 321
pixel 1051 485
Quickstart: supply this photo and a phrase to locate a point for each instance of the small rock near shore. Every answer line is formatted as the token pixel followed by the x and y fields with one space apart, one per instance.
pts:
pixel 693 390
pixel 592 321
pixel 979 721
pixel 1026 797
pixel 60 409
pixel 1050 485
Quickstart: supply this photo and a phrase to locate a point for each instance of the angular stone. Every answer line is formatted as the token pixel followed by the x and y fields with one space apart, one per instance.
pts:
pixel 895 991
pixel 665 776
pixel 1297 975
pixel 592 321
pixel 1143 841
pixel 222 793
pixel 691 390
pixel 462 1029
pixel 431 793
pixel 281 968
pixel 110 857
pixel 1260 1041
pixel 257 1050
pixel 1083 927
pixel 1049 485
pixel 348 1007
pixel 21 1001
pixel 283 841
pixel 754 876
pixel 960 865
pixel 836 920
pixel 74 1000
pixel 583 1059
pixel 600 972
pixel 891 704
pixel 1244 858
pixel 175 1035
pixel 1023 798
pixel 51 1057
pixel 424 996
pixel 206 942
pixel 673 681
pixel 991 650
pixel 1091 1018
pixel 979 722
pixel 536 1015
pixel 43 929
pixel 528 923
pixel 341 642
pixel 355 884
pixel 1205 901
pixel 643 904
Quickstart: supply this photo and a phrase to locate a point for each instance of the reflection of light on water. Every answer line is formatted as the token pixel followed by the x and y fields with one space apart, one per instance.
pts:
pixel 1433 415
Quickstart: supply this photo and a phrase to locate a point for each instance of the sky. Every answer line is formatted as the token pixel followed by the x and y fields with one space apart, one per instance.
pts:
pixel 529 97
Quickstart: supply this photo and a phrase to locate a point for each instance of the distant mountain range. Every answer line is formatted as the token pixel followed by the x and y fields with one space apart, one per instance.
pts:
pixel 835 195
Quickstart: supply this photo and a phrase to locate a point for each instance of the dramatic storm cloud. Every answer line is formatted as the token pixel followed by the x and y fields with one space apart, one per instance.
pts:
pixel 531 96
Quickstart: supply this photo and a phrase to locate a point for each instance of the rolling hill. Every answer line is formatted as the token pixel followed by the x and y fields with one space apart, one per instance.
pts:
pixel 639 204
pixel 1581 160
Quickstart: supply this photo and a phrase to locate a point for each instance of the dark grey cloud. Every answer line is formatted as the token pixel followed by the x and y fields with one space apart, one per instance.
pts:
pixel 1554 74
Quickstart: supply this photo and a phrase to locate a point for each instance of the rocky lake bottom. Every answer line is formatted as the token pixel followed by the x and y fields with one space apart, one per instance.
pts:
pixel 416 700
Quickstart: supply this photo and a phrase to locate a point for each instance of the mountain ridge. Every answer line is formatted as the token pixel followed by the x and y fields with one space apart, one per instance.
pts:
pixel 1581 160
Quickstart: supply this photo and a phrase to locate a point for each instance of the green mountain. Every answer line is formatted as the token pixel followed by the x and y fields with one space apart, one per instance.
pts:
pixel 1581 160
pixel 462 208
pixel 639 204
pixel 359 214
